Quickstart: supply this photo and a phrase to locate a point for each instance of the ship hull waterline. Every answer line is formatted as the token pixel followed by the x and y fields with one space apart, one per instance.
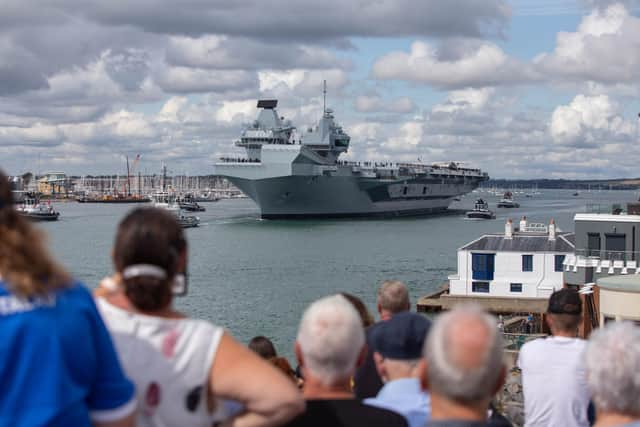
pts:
pixel 311 197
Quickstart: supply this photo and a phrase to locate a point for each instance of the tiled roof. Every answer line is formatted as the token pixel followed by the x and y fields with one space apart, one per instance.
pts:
pixel 565 242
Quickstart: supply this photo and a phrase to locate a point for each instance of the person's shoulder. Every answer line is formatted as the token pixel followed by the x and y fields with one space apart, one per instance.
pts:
pixel 75 289
pixel 369 331
pixel 368 415
pixel 201 326
pixel 457 423
pixel 534 345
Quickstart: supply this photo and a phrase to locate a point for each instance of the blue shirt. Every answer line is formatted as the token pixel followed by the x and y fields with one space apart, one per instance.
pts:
pixel 58 366
pixel 405 397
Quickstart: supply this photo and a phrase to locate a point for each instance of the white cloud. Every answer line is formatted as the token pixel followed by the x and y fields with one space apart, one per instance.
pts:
pixel 240 111
pixel 303 82
pixel 457 64
pixel 464 99
pixel 408 137
pixel 589 120
pixel 190 80
pixel 375 103
pixel 605 48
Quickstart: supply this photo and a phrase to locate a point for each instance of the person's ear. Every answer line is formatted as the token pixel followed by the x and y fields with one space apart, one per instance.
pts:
pixel 501 380
pixel 362 356
pixel 182 261
pixel 423 374
pixel 378 359
pixel 549 320
pixel 298 352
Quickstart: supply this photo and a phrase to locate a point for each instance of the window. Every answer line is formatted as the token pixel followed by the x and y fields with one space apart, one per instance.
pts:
pixel 559 259
pixel 482 287
pixel 593 244
pixel 615 244
pixel 516 287
pixel 482 266
pixel 527 262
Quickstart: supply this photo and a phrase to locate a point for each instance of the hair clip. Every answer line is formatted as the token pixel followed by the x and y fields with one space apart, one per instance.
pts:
pixel 137 270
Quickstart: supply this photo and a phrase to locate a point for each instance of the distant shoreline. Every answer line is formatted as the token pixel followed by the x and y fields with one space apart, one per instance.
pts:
pixel 567 184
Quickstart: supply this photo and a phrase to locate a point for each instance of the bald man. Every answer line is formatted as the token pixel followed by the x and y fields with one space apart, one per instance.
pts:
pixel 462 367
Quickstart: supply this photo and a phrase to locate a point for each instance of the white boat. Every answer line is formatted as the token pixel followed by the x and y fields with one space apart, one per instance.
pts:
pixel 481 211
pixel 31 208
pixel 507 201
pixel 165 200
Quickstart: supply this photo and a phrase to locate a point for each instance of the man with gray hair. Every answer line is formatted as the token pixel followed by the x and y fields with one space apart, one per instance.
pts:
pixel 613 374
pixel 463 367
pixel 393 298
pixel 329 345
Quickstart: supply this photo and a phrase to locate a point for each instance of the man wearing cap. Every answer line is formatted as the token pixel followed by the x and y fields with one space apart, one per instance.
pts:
pixel 397 349
pixel 553 375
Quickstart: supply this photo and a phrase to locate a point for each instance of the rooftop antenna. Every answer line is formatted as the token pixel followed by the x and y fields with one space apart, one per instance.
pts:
pixel 324 97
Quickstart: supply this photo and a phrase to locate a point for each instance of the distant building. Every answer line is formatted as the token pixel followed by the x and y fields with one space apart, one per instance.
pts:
pixel 607 240
pixel 54 183
pixel 526 262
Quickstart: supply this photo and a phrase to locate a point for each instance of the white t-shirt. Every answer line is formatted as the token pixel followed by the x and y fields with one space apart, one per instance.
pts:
pixel 169 360
pixel 554 382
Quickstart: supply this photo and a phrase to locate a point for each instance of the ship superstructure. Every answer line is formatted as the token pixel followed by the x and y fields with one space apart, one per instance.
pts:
pixel 293 174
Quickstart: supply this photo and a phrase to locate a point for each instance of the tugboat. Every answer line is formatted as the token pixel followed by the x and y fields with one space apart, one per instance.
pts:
pixel 164 200
pixel 507 201
pixel 34 210
pixel 481 211
pixel 189 204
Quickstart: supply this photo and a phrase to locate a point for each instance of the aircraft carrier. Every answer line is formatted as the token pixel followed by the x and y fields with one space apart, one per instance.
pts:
pixel 291 174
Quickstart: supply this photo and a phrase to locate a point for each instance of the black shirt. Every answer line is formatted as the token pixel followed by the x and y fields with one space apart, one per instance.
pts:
pixel 366 381
pixel 346 413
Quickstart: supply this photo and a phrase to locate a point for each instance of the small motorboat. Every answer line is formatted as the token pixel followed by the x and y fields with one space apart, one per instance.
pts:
pixel 190 205
pixel 507 201
pixel 481 211
pixel 34 210
pixel 164 200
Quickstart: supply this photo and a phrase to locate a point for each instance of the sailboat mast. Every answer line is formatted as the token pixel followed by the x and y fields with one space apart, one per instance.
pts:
pixel 128 180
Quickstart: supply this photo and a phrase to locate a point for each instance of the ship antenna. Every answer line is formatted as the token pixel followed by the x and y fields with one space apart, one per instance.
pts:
pixel 324 97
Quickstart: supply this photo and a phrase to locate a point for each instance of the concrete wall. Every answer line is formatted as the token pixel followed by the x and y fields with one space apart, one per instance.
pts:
pixel 619 305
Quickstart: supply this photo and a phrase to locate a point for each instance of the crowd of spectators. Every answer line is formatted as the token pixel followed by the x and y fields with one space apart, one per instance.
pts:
pixel 124 356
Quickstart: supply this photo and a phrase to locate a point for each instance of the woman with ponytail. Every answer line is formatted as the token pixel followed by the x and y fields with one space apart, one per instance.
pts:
pixel 186 371
pixel 58 366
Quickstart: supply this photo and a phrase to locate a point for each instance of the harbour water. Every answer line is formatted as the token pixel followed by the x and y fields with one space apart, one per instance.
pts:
pixel 255 277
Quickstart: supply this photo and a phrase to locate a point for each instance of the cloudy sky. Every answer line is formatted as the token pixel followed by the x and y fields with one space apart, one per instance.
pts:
pixel 520 88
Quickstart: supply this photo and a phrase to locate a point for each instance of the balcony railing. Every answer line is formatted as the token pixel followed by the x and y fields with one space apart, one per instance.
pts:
pixel 613 209
pixel 603 261
pixel 603 254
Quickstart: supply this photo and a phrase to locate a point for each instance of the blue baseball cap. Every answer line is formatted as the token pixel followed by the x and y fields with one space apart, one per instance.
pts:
pixel 401 337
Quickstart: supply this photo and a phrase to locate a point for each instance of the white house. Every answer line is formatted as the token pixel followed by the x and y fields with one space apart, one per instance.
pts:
pixel 526 262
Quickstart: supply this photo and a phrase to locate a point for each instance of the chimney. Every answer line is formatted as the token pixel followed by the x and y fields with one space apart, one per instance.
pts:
pixel 508 229
pixel 523 223
pixel 552 230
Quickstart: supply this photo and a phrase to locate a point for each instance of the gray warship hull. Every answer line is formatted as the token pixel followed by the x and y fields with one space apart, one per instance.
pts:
pixel 298 175
pixel 299 197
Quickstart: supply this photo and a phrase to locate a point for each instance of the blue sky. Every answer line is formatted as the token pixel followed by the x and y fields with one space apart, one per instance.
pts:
pixel 522 89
